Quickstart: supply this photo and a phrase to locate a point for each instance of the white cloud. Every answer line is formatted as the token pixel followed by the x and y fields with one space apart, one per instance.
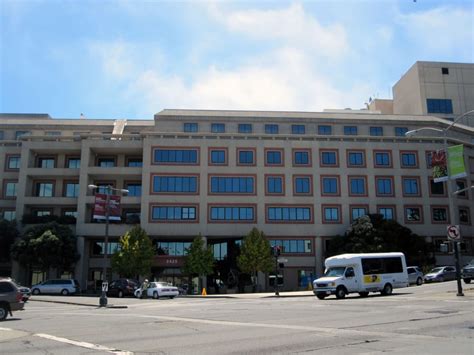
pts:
pixel 290 83
pixel 291 26
pixel 442 29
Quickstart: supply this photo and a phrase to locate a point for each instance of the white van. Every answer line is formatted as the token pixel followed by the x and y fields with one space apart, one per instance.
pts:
pixel 362 273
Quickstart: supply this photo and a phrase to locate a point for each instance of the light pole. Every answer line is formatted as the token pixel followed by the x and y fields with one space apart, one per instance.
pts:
pixel 452 214
pixel 108 192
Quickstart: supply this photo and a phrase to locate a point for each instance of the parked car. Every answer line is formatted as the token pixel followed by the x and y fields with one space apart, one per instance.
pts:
pixel 57 286
pixel 11 299
pixel 415 275
pixel 467 272
pixel 159 289
pixel 441 273
pixel 122 288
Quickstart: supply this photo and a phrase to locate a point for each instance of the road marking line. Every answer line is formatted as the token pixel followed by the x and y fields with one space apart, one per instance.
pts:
pixel 323 332
pixel 83 344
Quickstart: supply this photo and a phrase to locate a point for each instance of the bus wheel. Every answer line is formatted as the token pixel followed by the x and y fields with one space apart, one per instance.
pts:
pixel 363 294
pixel 340 292
pixel 387 290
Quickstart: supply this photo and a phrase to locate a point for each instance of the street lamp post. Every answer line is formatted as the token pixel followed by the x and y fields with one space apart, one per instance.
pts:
pixel 108 192
pixel 452 214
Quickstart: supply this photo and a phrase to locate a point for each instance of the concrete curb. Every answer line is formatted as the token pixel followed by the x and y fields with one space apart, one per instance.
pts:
pixel 80 304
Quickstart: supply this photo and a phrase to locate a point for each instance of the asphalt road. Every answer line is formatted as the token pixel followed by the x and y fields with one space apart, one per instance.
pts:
pixel 429 319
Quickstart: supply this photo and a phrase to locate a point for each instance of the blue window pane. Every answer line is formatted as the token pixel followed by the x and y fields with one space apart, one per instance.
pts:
pixel 175 156
pixel 298 129
pixel 271 129
pixel 273 157
pixel 439 106
pixel 218 157
pixel 324 130
pixel 231 213
pixel 245 128
pixel 328 158
pixel 288 214
pixel 217 128
pixel 357 186
pixel 410 186
pixel 387 213
pixel 376 131
pixel 409 159
pixel 400 131
pixel 382 159
pixel 302 185
pixel 301 158
pixel 356 158
pixel 350 130
pixel 232 184
pixel 330 185
pixel 384 186
pixel 246 157
pixel 190 127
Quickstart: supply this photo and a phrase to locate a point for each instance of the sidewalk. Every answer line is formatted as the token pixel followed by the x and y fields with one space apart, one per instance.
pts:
pixel 93 301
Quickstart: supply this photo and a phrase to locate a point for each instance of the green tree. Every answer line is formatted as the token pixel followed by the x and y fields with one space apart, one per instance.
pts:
pixel 199 260
pixel 373 233
pixel 47 245
pixel 255 255
pixel 135 255
pixel 8 234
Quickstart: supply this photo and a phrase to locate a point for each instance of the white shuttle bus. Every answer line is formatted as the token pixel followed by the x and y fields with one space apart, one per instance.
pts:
pixel 362 273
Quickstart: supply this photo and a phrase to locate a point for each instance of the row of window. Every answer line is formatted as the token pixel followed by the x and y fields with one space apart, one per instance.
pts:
pixel 275 157
pixel 323 129
pixel 245 156
pixel 299 214
pixel 70 189
pixel 302 185
pixel 274 185
pixel 287 246
pixel 278 214
pixel 50 162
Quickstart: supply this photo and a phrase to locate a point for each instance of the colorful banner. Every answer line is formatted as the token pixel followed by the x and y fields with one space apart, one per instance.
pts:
pixel 438 163
pixel 369 279
pixel 456 162
pixel 100 206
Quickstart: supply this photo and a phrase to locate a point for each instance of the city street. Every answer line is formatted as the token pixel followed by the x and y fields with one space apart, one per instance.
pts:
pixel 429 319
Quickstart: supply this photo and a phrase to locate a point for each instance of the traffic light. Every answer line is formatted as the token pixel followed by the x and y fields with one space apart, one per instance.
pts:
pixel 278 251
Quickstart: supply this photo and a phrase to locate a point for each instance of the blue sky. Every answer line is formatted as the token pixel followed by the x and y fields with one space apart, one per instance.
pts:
pixel 131 59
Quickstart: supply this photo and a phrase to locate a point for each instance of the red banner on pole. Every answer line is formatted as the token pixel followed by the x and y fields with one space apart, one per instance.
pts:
pixel 439 164
pixel 100 207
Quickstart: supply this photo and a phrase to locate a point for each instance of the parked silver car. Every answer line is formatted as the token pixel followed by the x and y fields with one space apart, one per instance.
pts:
pixel 64 287
pixel 441 273
pixel 467 272
pixel 415 275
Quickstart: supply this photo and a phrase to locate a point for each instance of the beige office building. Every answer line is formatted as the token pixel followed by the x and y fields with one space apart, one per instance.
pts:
pixel 301 177
pixel 435 88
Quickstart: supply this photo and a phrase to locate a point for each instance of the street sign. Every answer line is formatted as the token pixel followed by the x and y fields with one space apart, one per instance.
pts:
pixel 453 233
pixel 105 286
pixel 282 260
